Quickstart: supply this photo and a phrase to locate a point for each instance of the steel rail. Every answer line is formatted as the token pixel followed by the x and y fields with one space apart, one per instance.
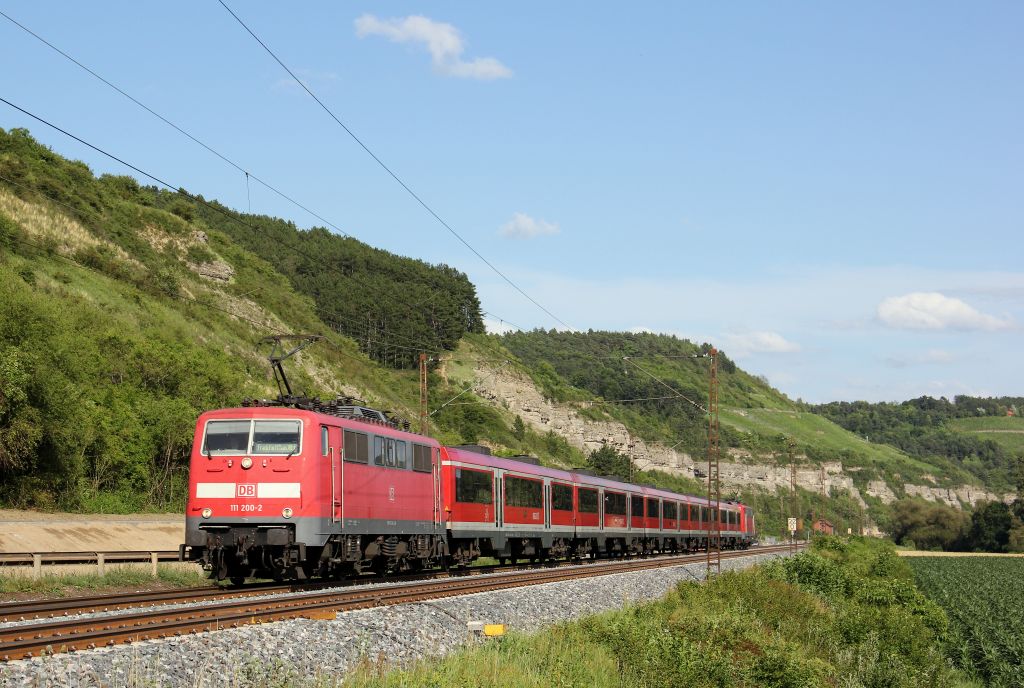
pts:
pixel 31 640
pixel 27 610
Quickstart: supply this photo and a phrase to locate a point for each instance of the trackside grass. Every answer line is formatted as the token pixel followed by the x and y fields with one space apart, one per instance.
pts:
pixel 845 614
pixel 59 585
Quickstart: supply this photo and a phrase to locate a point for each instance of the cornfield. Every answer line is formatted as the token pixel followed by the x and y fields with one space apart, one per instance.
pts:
pixel 984 599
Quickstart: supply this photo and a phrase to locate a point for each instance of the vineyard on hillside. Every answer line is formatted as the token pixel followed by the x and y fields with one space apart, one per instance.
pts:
pixel 985 604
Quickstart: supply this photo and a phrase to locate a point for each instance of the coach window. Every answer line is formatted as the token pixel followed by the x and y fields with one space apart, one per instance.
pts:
pixel 670 511
pixel 614 503
pixel 523 492
pixel 637 506
pixel 356 447
pixel 421 460
pixel 588 500
pixel 652 508
pixel 473 487
pixel 561 497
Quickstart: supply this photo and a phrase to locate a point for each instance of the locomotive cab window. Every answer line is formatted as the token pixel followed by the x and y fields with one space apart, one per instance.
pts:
pixel 615 503
pixel 267 437
pixel 226 437
pixel 637 506
pixel 421 459
pixel 275 437
pixel 652 508
pixel 588 500
pixel 473 487
pixel 523 492
pixel 561 497
pixel 356 447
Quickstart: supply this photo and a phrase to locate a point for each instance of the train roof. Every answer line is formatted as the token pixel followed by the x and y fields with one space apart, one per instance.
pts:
pixel 511 464
pixel 359 424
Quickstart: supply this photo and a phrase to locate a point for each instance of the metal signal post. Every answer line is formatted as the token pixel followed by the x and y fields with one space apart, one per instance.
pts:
pixel 714 549
pixel 423 394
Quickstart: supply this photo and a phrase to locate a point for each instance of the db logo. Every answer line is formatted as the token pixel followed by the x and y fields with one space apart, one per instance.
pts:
pixel 246 490
pixel 391 493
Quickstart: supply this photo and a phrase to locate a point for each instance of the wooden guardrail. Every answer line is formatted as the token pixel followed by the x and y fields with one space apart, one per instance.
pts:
pixel 101 559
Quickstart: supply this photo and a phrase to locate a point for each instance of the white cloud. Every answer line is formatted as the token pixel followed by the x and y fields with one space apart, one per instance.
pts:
pixel 934 311
pixel 522 226
pixel 740 344
pixel 443 42
pixel 929 357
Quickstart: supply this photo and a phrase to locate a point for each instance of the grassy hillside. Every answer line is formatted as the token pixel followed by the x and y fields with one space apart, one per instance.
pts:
pixel 122 317
pixel 1004 431
pixel 581 367
pixel 957 436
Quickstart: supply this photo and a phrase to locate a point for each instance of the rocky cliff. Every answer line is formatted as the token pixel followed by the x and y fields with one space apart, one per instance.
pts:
pixel 515 392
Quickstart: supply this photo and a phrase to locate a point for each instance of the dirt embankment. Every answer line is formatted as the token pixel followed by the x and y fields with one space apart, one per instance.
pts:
pixel 31 531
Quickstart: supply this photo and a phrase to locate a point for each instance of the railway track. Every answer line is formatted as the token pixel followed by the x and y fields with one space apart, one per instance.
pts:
pixel 31 640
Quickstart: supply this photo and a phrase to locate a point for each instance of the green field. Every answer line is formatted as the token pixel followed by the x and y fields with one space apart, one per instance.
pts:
pixel 984 600
pixel 1006 431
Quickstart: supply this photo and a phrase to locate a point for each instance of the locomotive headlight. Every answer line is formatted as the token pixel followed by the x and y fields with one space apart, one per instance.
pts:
pixel 247 462
pixel 286 512
pixel 207 512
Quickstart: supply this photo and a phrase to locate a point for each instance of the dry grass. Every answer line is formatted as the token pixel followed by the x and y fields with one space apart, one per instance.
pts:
pixel 65 233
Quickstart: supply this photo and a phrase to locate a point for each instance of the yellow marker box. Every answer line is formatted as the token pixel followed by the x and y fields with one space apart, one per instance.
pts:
pixel 494 630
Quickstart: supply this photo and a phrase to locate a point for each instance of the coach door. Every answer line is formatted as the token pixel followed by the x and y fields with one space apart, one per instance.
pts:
pixel 436 470
pixel 337 480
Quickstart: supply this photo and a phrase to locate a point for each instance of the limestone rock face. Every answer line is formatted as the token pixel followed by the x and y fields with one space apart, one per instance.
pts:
pixel 880 490
pixel 516 392
pixel 218 270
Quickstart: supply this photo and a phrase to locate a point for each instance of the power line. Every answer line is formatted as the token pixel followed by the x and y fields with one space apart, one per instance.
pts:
pixel 174 126
pixel 664 384
pixel 181 297
pixel 196 199
pixel 391 173
pixel 184 132
pixel 248 175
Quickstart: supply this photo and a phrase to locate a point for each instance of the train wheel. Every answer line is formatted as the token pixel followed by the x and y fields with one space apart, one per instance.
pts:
pixel 237 581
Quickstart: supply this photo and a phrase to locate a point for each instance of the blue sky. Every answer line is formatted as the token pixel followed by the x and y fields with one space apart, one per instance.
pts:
pixel 832 194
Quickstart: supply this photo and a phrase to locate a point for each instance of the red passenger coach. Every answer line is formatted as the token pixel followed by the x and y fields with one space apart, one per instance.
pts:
pixel 511 508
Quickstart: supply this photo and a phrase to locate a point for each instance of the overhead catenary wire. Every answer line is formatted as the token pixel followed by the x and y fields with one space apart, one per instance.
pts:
pixel 196 199
pixel 180 297
pixel 469 389
pixel 390 172
pixel 174 126
pixel 237 166
pixel 209 148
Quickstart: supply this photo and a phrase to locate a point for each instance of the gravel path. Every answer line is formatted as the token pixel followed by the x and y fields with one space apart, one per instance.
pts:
pixel 304 649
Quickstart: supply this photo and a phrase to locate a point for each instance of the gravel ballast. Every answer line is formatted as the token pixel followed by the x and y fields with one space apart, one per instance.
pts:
pixel 307 648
